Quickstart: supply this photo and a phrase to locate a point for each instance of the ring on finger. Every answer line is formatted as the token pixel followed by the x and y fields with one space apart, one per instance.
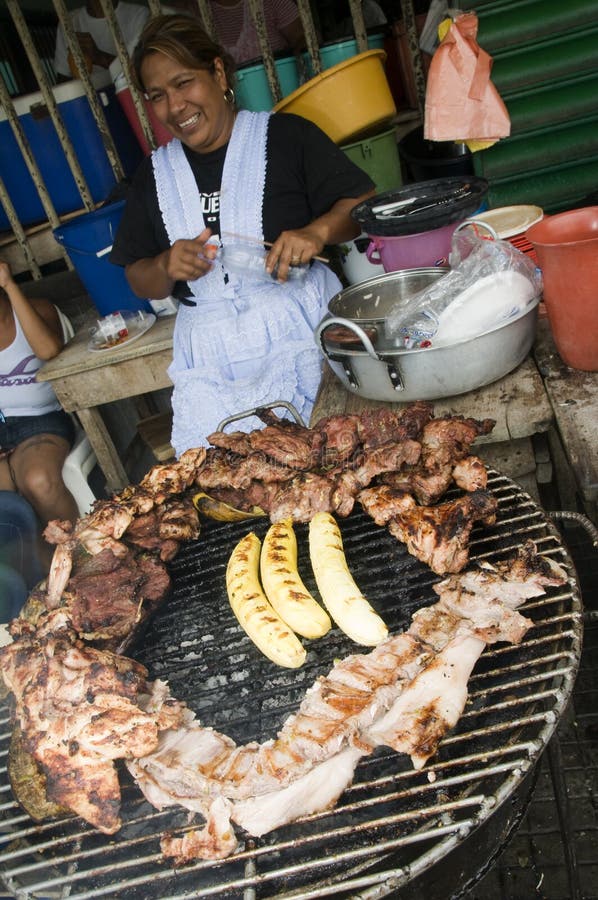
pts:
pixel 295 260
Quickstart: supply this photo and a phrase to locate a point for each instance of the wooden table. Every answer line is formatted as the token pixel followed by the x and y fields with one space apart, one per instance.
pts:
pixel 518 402
pixel 573 397
pixel 84 380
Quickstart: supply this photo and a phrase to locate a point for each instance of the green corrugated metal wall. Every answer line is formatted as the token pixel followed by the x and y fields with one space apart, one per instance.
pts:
pixel 546 71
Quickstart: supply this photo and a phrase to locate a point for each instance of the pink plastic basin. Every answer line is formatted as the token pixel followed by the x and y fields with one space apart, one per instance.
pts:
pixel 412 251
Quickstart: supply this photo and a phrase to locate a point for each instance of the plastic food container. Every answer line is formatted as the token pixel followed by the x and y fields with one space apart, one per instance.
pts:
pixel 249 261
pixel 348 100
pixel 510 224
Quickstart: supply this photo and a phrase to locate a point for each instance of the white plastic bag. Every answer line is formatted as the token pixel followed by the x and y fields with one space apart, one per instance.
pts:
pixel 490 281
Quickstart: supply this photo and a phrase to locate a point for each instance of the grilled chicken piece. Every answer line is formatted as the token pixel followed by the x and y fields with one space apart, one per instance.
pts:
pixel 164 527
pixel 79 709
pixel 236 441
pixel 439 535
pixel 448 440
pixel 384 502
pixel 427 485
pixel 301 498
pixel 470 474
pixel 163 481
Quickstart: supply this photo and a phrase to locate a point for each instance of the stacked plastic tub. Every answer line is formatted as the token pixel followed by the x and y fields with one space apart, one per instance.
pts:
pixel 46 148
pixel 352 102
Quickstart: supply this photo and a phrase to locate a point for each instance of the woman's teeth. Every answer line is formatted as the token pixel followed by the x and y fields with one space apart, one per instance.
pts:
pixel 190 121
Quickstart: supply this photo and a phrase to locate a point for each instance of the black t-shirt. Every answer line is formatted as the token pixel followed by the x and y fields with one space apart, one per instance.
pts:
pixel 306 173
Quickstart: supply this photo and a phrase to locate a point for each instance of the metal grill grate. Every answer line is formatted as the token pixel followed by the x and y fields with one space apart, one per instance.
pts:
pixel 393 823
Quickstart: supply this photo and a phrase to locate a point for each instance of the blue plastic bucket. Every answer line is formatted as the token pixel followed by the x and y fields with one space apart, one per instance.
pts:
pixel 88 241
pixel 252 88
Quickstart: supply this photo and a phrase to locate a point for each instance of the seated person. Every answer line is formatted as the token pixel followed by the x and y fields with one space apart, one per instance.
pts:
pixel 236 31
pixel 36 435
pixel 20 568
pixel 95 37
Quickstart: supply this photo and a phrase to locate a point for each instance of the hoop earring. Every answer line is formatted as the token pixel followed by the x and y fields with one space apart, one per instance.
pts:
pixel 229 96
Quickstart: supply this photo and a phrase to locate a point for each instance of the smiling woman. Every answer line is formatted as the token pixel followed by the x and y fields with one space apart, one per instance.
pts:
pixel 277 179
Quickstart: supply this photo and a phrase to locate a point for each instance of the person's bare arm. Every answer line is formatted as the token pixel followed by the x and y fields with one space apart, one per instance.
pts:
pixel 302 244
pixel 186 260
pixel 38 318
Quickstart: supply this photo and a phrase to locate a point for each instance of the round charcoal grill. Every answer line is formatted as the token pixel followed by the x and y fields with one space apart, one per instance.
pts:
pixel 395 831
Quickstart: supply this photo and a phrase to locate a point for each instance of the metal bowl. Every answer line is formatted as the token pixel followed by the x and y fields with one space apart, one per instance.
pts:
pixel 374 366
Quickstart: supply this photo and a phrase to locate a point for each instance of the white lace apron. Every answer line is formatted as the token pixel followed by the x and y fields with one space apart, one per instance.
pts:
pixel 245 343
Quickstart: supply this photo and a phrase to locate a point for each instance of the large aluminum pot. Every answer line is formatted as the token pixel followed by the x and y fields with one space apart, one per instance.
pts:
pixel 371 364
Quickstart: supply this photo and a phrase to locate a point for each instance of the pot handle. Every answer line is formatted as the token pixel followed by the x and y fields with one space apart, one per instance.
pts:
pixel 352 326
pixel 373 254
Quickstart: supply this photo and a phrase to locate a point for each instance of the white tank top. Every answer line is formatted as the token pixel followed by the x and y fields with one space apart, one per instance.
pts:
pixel 20 393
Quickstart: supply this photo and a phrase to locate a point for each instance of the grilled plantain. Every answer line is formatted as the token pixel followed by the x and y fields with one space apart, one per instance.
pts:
pixel 223 512
pixel 255 615
pixel 340 595
pixel 283 586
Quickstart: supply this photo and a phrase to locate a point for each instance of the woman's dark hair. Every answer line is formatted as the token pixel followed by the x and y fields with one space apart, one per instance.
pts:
pixel 183 39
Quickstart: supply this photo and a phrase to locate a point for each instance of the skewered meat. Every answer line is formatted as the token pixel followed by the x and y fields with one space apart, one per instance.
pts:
pixel 439 535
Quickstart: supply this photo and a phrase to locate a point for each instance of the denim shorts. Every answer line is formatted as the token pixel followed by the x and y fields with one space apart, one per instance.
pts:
pixel 16 429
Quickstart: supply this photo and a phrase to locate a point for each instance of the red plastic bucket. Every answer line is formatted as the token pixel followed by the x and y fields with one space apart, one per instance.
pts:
pixel 161 134
pixel 567 249
pixel 412 251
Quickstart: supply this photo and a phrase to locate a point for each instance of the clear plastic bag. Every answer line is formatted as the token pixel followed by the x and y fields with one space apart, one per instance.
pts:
pixel 489 282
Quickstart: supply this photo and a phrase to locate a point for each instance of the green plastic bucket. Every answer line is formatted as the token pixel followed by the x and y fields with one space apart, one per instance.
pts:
pixel 378 155
pixel 338 51
pixel 251 83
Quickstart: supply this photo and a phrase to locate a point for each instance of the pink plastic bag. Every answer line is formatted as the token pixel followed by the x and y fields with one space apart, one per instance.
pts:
pixel 462 104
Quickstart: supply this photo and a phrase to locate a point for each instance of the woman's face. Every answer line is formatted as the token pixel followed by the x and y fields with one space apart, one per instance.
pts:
pixel 189 102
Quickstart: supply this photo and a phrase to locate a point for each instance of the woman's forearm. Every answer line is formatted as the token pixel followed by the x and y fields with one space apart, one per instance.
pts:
pixel 148 278
pixel 336 225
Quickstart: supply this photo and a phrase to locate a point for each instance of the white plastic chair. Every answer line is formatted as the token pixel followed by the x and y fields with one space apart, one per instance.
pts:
pixel 81 460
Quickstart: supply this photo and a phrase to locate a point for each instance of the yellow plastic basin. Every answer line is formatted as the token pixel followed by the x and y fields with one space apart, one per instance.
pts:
pixel 348 100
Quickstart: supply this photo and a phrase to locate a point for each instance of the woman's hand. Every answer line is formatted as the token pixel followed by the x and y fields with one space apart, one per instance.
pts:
pixel 6 278
pixel 187 260
pixel 293 248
